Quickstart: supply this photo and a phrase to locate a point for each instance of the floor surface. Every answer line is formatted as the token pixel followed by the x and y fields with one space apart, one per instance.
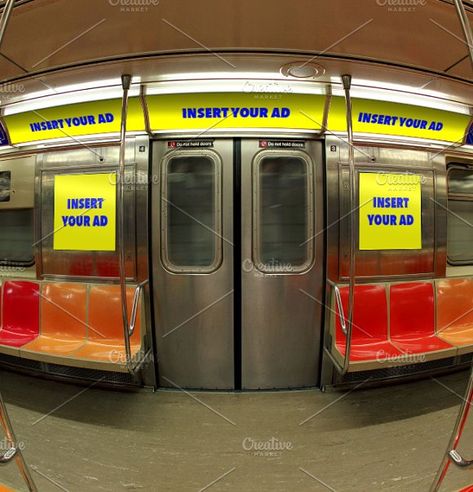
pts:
pixel 88 439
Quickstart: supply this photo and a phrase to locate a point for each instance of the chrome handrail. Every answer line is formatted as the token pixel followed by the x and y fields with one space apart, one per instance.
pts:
pixel 452 455
pixel 8 455
pixel 457 458
pixel 134 309
pixel 6 14
pixel 346 79
pixel 465 23
pixel 14 451
pixel 128 325
pixel 341 311
pixel 126 82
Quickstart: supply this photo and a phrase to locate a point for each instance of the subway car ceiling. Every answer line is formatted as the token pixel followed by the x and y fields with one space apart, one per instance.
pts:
pixel 126 28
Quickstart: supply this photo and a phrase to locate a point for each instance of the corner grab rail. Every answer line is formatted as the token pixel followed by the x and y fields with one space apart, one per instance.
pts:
pixel 134 309
pixel 457 458
pixel 341 311
pixel 14 451
pixel 452 455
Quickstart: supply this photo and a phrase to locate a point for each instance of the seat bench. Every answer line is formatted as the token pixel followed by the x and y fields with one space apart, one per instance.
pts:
pixel 67 323
pixel 392 325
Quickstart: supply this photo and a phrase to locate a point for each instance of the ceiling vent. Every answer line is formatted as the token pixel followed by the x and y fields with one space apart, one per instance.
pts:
pixel 305 70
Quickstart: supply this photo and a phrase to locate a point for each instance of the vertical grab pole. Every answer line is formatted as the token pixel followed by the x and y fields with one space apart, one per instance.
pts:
pixel 12 443
pixel 466 404
pixel 6 14
pixel 465 23
pixel 4 418
pixel 126 82
pixel 346 79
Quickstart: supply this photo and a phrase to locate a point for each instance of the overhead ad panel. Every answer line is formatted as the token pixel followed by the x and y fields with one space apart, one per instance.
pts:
pixel 403 120
pixel 210 112
pixel 73 120
pixel 233 110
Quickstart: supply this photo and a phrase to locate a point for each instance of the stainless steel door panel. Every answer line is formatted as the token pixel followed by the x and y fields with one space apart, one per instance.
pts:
pixel 281 306
pixel 193 302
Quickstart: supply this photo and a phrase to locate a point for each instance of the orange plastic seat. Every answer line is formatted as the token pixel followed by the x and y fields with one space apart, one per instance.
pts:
pixel 4 488
pixel 455 311
pixel 105 339
pixel 63 319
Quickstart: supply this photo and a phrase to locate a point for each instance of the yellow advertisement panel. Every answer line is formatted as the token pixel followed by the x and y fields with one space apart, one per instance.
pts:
pixel 390 211
pixel 214 111
pixel 389 118
pixel 73 120
pixel 85 212
pixel 236 110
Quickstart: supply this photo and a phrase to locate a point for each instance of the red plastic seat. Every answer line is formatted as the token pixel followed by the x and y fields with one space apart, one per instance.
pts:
pixel 413 319
pixel 20 313
pixel 370 325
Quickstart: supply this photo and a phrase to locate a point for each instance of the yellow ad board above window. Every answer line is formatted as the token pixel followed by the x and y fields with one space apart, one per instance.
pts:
pixel 224 110
pixel 85 212
pixel 212 112
pixel 390 211
pixel 73 120
pixel 403 120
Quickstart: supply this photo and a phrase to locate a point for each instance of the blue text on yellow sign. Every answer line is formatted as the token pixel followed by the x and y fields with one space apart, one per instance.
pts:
pixel 390 211
pixel 85 212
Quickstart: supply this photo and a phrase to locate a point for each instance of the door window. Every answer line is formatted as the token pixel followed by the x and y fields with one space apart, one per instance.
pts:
pixel 191 227
pixel 283 213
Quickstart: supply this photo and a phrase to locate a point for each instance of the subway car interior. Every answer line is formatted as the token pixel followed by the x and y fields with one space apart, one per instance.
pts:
pixel 236 245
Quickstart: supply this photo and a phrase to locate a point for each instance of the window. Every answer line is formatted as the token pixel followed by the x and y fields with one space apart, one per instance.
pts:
pixel 460 217
pixel 190 223
pixel 5 186
pixel 17 237
pixel 283 214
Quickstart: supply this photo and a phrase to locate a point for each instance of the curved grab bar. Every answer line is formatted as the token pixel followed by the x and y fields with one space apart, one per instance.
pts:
pixel 134 309
pixel 457 458
pixel 128 325
pixel 14 452
pixel 341 311
pixel 346 80
pixel 452 455
pixel 8 455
